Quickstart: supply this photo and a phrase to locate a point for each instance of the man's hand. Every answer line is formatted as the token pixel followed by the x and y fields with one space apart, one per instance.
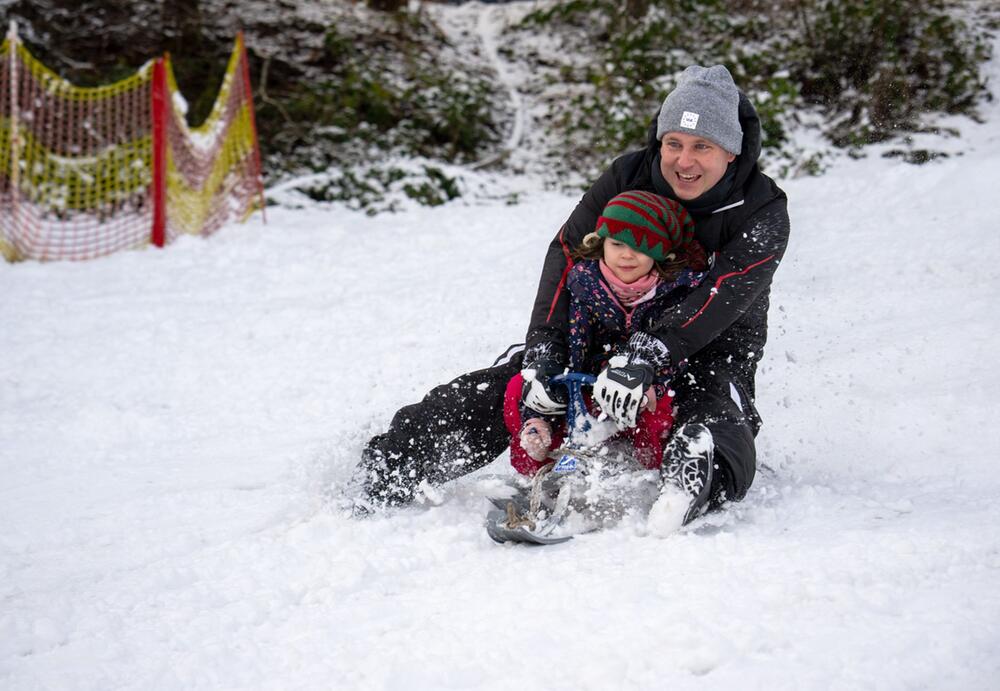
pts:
pixel 620 388
pixel 539 393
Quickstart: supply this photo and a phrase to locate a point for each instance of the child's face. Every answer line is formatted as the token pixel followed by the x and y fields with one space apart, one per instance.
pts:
pixel 625 263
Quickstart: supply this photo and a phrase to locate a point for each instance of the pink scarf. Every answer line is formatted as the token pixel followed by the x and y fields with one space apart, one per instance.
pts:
pixel 630 294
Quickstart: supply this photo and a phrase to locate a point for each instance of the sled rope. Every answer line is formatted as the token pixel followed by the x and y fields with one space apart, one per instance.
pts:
pixel 515 521
pixel 536 488
pixel 534 501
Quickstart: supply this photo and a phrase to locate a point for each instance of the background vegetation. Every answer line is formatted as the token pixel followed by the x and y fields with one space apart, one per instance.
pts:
pixel 866 70
pixel 349 90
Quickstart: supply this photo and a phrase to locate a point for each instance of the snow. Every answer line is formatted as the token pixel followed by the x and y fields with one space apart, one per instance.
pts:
pixel 489 25
pixel 177 423
pixel 667 515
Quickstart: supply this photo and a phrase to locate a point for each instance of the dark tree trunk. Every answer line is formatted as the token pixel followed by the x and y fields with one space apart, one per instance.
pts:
pixel 636 9
pixel 182 24
pixel 387 5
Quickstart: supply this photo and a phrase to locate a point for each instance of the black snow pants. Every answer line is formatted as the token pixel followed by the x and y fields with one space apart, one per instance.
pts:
pixel 722 399
pixel 458 427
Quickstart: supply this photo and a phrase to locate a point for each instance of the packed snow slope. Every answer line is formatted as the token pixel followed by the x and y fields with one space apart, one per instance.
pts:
pixel 176 425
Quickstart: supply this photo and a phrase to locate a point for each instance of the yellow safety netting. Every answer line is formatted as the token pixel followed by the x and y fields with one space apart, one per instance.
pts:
pixel 76 163
pixel 210 165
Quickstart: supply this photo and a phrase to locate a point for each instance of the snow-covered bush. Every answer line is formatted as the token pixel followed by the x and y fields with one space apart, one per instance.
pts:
pixel 385 86
pixel 865 69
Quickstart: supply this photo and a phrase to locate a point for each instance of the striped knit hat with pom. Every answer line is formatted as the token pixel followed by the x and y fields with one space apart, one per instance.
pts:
pixel 653 225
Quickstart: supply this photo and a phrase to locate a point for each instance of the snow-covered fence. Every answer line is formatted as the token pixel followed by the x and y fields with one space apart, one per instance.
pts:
pixel 88 171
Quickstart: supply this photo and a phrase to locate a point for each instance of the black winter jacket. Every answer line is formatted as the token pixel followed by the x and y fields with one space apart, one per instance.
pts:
pixel 722 321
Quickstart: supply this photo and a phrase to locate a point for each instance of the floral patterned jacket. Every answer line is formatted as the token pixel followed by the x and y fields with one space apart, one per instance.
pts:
pixel 599 324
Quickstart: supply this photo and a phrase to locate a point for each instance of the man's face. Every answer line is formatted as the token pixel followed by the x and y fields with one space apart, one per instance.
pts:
pixel 692 165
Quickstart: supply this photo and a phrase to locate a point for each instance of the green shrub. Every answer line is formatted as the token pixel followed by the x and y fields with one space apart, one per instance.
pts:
pixel 383 93
pixel 879 65
pixel 377 188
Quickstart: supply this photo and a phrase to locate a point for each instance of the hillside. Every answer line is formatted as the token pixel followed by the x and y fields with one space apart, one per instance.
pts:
pixel 178 425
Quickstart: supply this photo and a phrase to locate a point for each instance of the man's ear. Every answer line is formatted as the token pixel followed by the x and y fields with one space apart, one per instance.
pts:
pixel 732 157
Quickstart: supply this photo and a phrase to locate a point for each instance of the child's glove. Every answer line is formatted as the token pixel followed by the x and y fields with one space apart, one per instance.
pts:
pixel 624 386
pixel 620 389
pixel 536 438
pixel 539 393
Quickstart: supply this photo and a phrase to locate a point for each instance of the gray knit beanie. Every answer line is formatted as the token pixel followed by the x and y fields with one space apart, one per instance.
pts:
pixel 706 103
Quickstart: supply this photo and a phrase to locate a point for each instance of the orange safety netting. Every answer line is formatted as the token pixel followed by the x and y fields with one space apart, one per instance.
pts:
pixel 88 171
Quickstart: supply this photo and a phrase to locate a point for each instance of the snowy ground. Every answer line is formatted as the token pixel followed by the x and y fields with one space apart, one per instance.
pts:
pixel 173 422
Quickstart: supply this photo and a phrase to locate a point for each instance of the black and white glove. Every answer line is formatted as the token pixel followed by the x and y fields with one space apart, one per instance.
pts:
pixel 539 392
pixel 620 389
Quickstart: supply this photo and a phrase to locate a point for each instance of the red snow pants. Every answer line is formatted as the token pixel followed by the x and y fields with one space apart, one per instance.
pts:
pixel 648 436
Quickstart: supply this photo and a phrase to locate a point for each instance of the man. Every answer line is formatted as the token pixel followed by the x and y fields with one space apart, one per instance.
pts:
pixel 702 151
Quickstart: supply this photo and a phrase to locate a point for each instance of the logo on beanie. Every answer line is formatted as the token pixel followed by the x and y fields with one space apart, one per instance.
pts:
pixel 689 120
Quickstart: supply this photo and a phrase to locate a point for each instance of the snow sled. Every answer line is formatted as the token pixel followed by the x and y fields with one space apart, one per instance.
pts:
pixel 582 488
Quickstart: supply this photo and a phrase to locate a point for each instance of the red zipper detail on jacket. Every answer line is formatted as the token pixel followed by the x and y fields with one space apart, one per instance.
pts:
pixel 715 290
pixel 565 274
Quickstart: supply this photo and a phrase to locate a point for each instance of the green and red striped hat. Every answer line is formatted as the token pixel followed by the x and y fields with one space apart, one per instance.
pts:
pixel 653 225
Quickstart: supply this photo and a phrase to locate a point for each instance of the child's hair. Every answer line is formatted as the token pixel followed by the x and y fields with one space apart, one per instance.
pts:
pixel 592 247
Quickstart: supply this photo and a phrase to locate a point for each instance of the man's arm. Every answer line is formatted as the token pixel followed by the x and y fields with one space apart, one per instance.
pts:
pixel 742 270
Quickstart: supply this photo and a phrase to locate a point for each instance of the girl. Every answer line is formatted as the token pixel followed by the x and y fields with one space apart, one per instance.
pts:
pixel 642 259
